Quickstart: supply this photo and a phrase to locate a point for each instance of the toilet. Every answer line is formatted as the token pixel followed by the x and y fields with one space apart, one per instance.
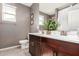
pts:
pixel 24 44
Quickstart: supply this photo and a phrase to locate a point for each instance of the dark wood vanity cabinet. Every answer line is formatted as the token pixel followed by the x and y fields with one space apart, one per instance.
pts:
pixel 69 48
pixel 40 46
pixel 64 48
pixel 34 45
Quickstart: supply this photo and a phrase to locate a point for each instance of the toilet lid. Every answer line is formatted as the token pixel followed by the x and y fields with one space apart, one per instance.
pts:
pixel 23 41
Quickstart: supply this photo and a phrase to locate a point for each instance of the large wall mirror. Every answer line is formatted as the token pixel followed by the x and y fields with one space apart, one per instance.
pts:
pixel 73 19
pixel 69 18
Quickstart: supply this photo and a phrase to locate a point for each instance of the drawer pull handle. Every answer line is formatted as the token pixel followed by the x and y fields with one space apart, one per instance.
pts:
pixel 32 43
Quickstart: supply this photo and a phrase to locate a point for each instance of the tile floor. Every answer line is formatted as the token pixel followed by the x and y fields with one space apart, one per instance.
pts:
pixel 15 52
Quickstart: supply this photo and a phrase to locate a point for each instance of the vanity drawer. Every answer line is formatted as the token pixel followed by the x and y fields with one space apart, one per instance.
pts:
pixel 69 48
pixel 53 43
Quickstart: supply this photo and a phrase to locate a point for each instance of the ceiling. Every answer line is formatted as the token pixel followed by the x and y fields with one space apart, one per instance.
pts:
pixel 48 8
pixel 27 4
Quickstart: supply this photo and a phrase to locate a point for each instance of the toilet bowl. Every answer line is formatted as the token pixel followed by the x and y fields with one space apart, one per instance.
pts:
pixel 24 44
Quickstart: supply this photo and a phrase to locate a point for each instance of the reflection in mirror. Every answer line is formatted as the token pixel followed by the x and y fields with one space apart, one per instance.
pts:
pixel 69 18
pixel 73 19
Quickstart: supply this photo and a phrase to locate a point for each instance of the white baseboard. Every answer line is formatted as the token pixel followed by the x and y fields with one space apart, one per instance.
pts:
pixel 9 48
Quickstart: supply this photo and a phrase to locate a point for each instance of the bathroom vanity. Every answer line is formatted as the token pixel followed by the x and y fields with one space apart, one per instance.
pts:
pixel 53 45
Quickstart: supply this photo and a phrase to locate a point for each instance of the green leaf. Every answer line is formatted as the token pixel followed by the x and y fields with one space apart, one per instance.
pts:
pixel 50 25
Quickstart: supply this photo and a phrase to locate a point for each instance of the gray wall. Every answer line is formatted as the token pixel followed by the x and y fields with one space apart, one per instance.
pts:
pixel 35 10
pixel 11 33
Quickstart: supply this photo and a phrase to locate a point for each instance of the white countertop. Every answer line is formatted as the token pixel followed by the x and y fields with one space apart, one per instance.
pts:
pixel 68 38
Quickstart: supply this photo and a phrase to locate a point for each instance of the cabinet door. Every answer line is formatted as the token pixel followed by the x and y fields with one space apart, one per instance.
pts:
pixel 69 48
pixel 34 47
pixel 31 45
pixel 38 45
pixel 38 49
pixel 46 50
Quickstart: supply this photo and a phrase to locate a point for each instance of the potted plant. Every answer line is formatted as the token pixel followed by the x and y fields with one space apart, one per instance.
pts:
pixel 50 25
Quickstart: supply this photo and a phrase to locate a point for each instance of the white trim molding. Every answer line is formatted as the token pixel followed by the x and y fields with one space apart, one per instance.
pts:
pixel 2 49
